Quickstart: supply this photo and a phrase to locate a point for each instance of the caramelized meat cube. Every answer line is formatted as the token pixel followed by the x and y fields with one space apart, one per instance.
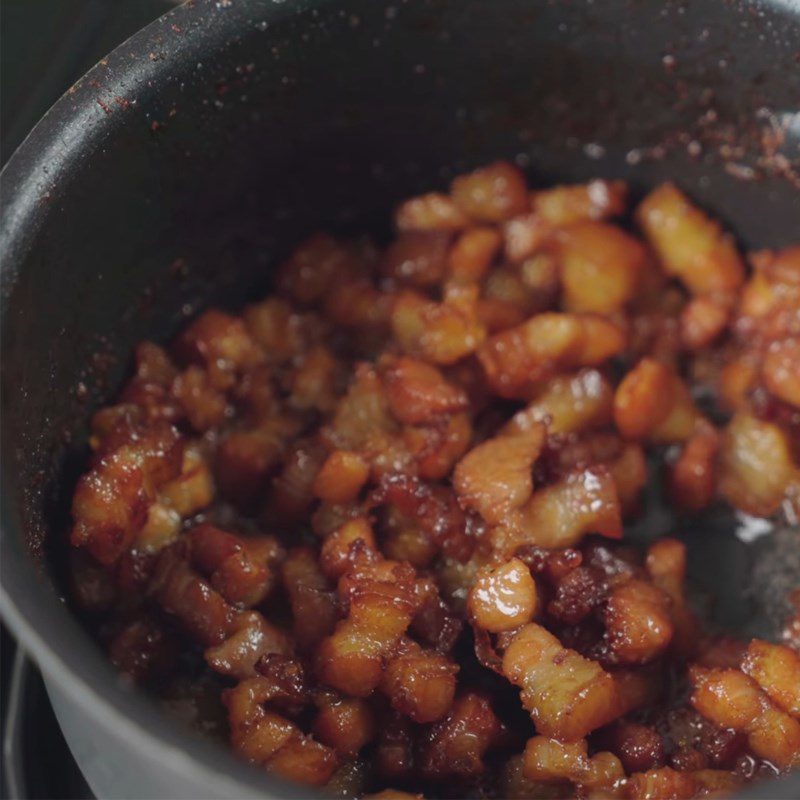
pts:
pixel 568 696
pixel 419 684
pixel 417 258
pixel 639 747
pixel 456 746
pixel 429 212
pixel 638 624
pixel 340 549
pixel 666 565
pixel 109 505
pixel 204 405
pixel 472 254
pixel 312 269
pixel 600 267
pixel 653 403
pixel 496 476
pixel 346 724
pixel 583 501
pixel 382 605
pixel 269 739
pixel 755 465
pixel 731 699
pixel 690 245
pixel 703 320
pixel 517 359
pixel 111 501
pixel 241 570
pixel 663 782
pixel 341 477
pixel 776 669
pixel 220 344
pixel 418 392
pixel 314 610
pixel 567 205
pixel 491 194
pixel 185 595
pixel 502 598
pixel 549 760
pixel 569 404
pixel 781 370
pixel 693 480
pixel 441 333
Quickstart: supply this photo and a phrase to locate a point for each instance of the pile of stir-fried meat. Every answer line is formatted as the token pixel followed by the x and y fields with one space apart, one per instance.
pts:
pixel 384 507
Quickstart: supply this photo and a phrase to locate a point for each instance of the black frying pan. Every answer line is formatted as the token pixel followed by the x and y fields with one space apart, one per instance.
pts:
pixel 187 163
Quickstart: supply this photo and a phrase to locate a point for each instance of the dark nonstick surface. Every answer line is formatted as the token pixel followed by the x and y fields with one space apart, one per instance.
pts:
pixel 187 163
